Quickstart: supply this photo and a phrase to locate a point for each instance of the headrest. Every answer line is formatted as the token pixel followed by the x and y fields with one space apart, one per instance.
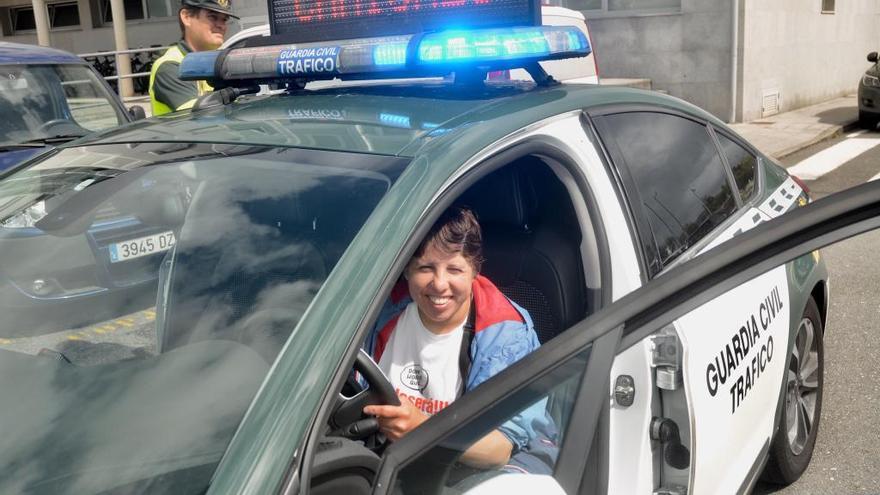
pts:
pixel 501 198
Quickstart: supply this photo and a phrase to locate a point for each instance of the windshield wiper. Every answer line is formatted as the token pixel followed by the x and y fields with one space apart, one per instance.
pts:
pixel 60 138
pixel 15 146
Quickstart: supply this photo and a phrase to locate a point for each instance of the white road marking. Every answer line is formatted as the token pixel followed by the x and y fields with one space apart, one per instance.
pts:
pixel 874 178
pixel 829 159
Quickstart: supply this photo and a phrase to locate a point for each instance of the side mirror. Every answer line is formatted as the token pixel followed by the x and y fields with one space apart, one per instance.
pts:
pixel 137 112
pixel 872 57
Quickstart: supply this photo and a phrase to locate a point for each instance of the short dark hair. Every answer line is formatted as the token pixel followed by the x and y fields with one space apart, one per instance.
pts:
pixel 192 11
pixel 456 231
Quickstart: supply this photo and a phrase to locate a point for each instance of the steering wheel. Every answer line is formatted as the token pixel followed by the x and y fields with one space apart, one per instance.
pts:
pixel 348 418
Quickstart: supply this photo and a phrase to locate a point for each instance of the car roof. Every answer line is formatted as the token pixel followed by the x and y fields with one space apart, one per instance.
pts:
pixel 389 120
pixel 19 53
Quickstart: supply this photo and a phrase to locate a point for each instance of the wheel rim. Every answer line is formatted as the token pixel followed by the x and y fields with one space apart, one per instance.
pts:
pixel 802 387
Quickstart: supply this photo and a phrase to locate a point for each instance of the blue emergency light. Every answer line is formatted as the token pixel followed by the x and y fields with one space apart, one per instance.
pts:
pixel 421 55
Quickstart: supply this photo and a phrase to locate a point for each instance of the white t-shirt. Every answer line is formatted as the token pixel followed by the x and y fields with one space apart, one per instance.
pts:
pixel 421 365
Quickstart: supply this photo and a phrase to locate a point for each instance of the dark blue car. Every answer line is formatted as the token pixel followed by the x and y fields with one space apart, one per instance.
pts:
pixel 50 96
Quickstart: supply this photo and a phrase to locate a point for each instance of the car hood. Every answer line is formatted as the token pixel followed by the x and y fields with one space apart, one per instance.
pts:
pixel 88 429
pixel 380 120
pixel 14 157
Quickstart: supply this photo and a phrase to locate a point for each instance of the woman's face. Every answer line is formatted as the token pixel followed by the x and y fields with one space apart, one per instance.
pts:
pixel 440 284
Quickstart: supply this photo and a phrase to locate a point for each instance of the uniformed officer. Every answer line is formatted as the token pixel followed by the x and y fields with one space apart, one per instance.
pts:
pixel 202 27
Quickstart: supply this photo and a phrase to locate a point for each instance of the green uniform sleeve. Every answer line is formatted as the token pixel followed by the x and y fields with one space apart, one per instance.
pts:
pixel 169 89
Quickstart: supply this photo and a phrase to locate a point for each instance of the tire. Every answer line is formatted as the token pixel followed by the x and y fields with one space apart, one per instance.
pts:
pixel 793 444
pixel 868 120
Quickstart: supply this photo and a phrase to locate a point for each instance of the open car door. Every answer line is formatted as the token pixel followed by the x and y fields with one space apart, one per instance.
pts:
pixel 569 376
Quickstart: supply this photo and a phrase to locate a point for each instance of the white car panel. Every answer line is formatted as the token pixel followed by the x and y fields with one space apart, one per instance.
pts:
pixel 631 466
pixel 734 352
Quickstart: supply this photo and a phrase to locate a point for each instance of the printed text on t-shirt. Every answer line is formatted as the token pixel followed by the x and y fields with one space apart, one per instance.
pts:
pixel 426 405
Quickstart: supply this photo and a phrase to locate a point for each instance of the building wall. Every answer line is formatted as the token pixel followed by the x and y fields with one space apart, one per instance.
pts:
pixel 791 47
pixel 90 36
pixel 686 53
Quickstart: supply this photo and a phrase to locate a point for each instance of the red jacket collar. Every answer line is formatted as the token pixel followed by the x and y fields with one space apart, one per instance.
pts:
pixel 492 306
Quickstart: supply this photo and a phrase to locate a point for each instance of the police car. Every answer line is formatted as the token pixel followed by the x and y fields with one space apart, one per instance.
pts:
pixel 670 269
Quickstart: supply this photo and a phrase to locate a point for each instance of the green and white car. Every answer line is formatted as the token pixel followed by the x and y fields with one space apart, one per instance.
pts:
pixel 670 268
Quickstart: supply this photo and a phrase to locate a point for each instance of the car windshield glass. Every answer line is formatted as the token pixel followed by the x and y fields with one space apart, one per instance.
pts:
pixel 146 289
pixel 47 101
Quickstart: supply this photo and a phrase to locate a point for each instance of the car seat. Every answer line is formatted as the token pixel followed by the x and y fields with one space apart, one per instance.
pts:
pixel 531 243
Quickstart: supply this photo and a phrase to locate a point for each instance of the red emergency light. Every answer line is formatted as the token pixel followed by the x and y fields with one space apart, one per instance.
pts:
pixel 298 21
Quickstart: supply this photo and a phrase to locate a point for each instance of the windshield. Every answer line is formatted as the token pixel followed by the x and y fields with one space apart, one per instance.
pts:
pixel 50 101
pixel 146 290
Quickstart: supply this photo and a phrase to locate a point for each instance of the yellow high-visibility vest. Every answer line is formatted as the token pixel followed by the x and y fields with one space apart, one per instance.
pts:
pixel 173 54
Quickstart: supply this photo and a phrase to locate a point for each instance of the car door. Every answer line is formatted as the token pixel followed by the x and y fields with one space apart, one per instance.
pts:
pixel 686 201
pixel 420 462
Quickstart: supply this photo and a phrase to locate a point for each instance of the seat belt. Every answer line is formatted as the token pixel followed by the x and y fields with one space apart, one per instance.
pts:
pixel 464 354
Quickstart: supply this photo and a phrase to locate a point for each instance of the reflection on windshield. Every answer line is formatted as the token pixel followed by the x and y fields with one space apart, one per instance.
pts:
pixel 145 299
pixel 41 102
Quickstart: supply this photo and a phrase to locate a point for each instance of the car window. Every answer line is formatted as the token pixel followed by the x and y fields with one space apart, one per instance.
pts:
pixel 90 104
pixel 742 162
pixel 146 290
pixel 679 180
pixel 48 101
pixel 542 407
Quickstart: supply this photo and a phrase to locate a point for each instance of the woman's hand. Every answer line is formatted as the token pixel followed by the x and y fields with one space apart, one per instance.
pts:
pixel 490 452
pixel 397 421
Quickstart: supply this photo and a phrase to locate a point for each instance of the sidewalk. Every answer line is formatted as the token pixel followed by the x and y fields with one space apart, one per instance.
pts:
pixel 789 132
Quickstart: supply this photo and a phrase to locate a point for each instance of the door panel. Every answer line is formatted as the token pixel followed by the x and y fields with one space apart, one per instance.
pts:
pixel 544 384
pixel 631 457
pixel 734 352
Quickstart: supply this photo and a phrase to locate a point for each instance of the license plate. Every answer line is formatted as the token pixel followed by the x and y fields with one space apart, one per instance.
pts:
pixel 142 246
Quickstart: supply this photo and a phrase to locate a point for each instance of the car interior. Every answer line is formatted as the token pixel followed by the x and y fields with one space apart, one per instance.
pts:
pixel 532 243
pixel 534 251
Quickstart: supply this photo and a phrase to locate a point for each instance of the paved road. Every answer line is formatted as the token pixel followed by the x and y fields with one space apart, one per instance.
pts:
pixel 847 455
pixel 124 337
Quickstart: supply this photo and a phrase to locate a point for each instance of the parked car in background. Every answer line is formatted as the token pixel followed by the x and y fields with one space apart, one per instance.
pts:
pixel 50 96
pixel 869 94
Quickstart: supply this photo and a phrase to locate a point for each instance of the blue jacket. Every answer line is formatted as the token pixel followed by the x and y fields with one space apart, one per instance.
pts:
pixel 503 334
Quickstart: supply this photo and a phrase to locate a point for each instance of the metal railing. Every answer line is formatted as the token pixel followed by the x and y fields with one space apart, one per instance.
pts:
pixel 110 70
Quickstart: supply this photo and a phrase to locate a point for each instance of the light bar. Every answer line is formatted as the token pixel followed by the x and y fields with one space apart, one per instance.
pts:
pixel 298 21
pixel 488 45
pixel 433 54
pixel 196 64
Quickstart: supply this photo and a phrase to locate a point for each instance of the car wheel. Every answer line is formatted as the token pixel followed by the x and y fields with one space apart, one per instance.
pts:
pixel 793 444
pixel 867 120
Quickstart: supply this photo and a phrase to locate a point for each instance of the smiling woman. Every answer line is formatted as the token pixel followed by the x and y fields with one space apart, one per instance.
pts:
pixel 451 331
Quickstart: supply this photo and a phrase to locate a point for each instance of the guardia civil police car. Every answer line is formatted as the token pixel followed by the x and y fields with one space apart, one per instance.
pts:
pixel 669 267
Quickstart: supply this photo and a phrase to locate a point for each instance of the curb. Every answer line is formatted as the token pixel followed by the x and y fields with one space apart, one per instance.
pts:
pixel 823 136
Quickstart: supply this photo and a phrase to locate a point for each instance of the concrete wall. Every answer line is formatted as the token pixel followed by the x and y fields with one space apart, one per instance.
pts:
pixel 809 57
pixel 686 54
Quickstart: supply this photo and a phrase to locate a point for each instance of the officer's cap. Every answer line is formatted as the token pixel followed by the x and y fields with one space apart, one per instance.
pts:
pixel 222 6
